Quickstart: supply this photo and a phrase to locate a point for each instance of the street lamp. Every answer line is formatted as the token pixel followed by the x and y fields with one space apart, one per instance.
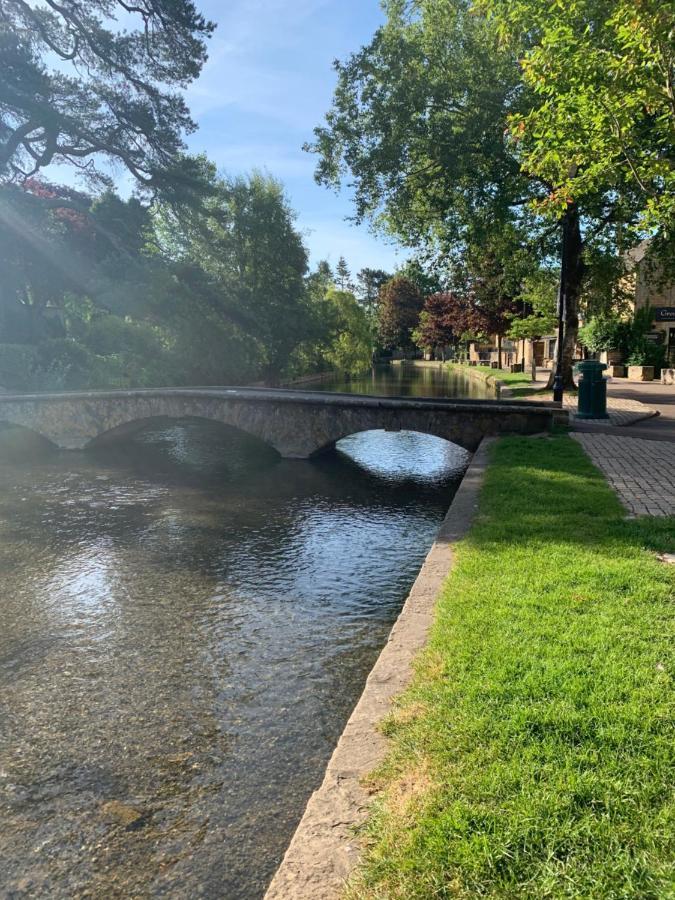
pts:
pixel 562 310
pixel 562 295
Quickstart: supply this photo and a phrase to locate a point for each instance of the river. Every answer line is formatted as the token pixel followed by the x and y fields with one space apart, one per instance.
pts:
pixel 186 623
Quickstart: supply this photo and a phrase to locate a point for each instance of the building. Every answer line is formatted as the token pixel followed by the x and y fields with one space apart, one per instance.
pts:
pixel 648 287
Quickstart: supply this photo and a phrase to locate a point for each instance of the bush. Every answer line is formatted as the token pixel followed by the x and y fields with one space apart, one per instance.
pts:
pixel 605 333
pixel 17 366
pixel 647 353
pixel 110 335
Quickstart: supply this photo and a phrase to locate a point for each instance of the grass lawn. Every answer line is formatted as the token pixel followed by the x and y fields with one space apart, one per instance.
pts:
pixel 519 382
pixel 534 754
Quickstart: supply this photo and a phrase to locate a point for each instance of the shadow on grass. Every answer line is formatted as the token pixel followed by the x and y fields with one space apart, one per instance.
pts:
pixel 558 495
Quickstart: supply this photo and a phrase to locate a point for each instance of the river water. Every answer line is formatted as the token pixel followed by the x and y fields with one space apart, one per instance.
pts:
pixel 186 622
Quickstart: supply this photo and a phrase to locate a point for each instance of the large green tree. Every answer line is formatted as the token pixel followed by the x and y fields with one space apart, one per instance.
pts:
pixel 249 261
pixel 400 303
pixel 97 82
pixel 420 125
pixel 601 74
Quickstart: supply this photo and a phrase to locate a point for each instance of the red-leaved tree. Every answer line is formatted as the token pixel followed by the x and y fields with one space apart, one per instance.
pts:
pixel 444 319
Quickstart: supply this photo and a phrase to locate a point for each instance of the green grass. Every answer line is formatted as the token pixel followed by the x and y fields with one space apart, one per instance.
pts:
pixel 533 755
pixel 512 379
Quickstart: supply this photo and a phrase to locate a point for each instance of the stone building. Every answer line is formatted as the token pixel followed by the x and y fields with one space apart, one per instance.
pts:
pixel 648 286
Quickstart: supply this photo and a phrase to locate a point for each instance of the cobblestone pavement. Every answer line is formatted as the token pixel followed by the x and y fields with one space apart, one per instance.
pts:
pixel 620 411
pixel 642 472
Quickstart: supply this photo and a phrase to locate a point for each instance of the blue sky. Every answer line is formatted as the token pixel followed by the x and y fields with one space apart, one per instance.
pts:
pixel 268 82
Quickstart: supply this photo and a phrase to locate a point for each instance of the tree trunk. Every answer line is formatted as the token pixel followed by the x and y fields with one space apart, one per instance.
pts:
pixel 499 351
pixel 571 279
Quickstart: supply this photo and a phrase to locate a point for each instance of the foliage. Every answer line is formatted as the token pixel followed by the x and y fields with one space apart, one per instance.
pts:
pixel 605 333
pixel 119 295
pixel 350 349
pixel 445 319
pixel 627 336
pixel 639 349
pixel 537 316
pixel 532 755
pixel 368 284
pixel 400 303
pixel 246 262
pixel 603 110
pixel 427 278
pixel 647 353
pixel 343 277
pixel 77 89
pixel 437 152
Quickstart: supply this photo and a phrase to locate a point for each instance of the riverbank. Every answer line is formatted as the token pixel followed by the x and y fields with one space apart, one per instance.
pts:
pixel 532 755
pixel 324 850
pixel 504 384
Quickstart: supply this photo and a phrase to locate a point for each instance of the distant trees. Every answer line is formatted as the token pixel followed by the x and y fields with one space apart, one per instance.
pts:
pixel 350 347
pixel 368 284
pixel 443 320
pixel 399 307
pixel 343 277
pixel 197 278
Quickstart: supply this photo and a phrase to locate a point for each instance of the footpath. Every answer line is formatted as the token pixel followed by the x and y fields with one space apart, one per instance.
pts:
pixel 635 448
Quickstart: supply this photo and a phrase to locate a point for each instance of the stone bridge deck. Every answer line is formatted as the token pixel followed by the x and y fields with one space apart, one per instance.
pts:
pixel 298 424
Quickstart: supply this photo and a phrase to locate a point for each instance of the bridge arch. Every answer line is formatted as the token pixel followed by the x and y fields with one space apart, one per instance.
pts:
pixel 133 427
pixel 348 433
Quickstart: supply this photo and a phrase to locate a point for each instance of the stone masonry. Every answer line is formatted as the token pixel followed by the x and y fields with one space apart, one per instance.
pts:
pixel 298 424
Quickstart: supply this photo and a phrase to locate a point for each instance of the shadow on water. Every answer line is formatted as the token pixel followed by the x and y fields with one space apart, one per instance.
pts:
pixel 187 621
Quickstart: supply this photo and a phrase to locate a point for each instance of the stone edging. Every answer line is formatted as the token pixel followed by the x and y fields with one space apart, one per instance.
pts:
pixel 324 849
pixel 499 387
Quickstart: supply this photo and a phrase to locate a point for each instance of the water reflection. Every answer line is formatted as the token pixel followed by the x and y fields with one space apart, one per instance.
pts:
pixel 405 380
pixel 187 621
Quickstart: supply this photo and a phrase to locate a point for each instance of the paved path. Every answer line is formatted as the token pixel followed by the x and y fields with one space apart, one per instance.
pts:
pixel 642 472
pixel 622 411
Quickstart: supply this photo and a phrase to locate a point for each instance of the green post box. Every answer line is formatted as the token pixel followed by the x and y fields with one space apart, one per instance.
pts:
pixel 592 390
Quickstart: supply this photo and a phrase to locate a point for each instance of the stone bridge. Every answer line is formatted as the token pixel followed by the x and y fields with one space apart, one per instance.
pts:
pixel 298 424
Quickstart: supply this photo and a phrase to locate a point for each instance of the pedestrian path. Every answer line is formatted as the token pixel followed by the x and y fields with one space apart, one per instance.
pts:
pixel 621 410
pixel 642 472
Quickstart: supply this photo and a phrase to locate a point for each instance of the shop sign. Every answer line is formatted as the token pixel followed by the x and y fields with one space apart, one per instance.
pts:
pixel 664 313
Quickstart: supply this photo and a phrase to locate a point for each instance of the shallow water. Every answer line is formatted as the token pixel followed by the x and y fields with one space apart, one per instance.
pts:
pixel 186 623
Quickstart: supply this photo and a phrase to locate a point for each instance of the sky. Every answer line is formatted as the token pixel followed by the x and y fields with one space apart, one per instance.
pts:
pixel 268 82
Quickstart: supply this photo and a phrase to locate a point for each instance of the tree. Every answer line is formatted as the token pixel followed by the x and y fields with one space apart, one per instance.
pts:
pixel 603 99
pixel 537 315
pixel 248 262
pixel 343 277
pixel 79 90
pixel 429 142
pixel 351 347
pixel 369 282
pixel 427 278
pixel 443 320
pixel 400 305
pixel 493 285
